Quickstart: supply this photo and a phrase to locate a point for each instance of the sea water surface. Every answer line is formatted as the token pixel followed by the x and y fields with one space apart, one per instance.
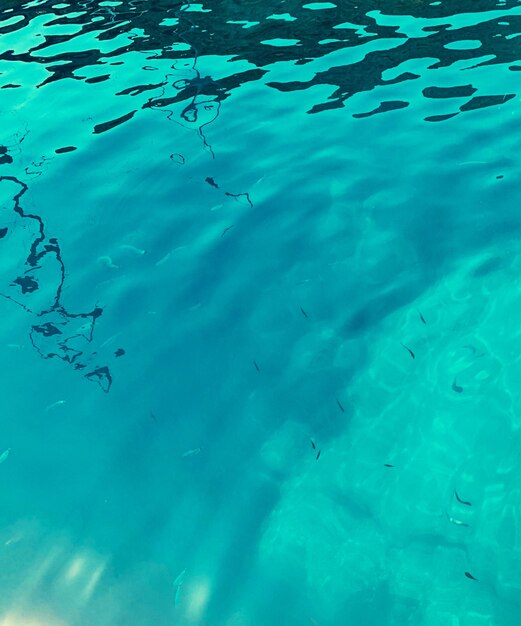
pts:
pixel 260 268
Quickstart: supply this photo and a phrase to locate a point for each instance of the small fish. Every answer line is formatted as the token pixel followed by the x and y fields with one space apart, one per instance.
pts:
pixel 211 182
pixel 4 455
pixel 388 465
pixel 163 259
pixel 469 575
pixel 409 351
pixel 119 352
pixel 460 500
pixel 109 340
pixel 152 416
pixel 318 455
pixel 180 578
pixel 303 312
pixel 457 388
pixel 313 444
pixel 178 583
pixel 133 249
pixel 340 405
pixel 256 366
pixel 177 599
pixel 13 539
pixel 421 317
pixel 226 230
pixel 54 404
pixel 456 522
pixel 191 453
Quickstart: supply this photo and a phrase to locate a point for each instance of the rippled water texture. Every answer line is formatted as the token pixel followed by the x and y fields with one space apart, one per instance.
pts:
pixel 260 277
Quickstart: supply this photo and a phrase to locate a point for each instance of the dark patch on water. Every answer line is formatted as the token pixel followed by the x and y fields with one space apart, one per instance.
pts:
pixel 480 102
pixel 207 33
pixel 392 105
pixel 440 118
pixel 401 78
pixel 103 128
pixel 5 157
pixel 449 92
pixel 97 79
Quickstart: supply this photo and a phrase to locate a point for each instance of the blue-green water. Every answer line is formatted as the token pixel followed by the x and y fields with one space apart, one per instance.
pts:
pixel 259 267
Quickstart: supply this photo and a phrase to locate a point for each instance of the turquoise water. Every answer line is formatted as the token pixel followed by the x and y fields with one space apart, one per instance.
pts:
pixel 259 267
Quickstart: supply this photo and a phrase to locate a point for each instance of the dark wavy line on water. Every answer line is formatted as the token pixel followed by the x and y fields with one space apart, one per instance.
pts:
pixel 54 334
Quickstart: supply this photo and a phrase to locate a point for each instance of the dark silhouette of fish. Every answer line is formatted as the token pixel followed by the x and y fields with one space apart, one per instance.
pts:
pixel 388 465
pixel 318 455
pixel 409 351
pixel 303 312
pixel 256 366
pixel 469 575
pixel 456 387
pixel 119 352
pixel 421 317
pixel 460 500
pixel 226 230
pixel 313 444
pixel 340 406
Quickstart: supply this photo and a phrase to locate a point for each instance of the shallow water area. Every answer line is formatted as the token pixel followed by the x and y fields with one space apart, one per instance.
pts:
pixel 259 268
